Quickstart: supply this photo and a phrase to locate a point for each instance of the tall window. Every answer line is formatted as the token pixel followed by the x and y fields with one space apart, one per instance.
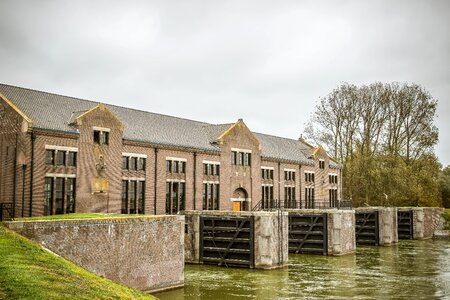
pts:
pixel 49 157
pixel 132 196
pixel 105 137
pixel 101 136
pixel 267 200
pixel 72 159
pixel 71 187
pixel 124 196
pixel 175 197
pixel 333 178
pixel 321 164
pixel 141 197
pixel 211 196
pixel 60 158
pixel 141 163
pixel 247 159
pixel 212 169
pixel 289 197
pixel 241 158
pixel 175 166
pixel 97 134
pixel 48 196
pixel 289 175
pixel 233 157
pixel 133 163
pixel 59 195
pixel 309 197
pixel 267 173
pixel 125 160
pixel 333 197
pixel 309 177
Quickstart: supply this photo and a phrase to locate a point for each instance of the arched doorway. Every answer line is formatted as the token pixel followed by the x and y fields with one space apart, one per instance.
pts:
pixel 239 200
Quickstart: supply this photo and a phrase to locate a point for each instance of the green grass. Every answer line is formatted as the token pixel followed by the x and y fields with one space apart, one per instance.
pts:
pixel 78 216
pixel 29 272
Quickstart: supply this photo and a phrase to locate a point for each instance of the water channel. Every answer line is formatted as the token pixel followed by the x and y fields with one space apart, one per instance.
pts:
pixel 410 270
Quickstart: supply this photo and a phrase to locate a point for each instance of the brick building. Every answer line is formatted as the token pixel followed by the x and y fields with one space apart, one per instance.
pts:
pixel 61 154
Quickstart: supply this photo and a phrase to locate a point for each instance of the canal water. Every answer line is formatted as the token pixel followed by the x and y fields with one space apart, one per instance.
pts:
pixel 410 270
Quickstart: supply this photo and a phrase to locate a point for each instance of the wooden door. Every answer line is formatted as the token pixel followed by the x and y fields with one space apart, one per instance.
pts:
pixel 236 206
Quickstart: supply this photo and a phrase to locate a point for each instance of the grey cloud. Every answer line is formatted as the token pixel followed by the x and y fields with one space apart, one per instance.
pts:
pixel 265 61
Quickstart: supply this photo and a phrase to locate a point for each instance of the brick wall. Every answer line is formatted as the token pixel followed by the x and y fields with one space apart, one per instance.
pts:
pixel 14 142
pixel 145 253
pixel 88 175
pixel 425 221
pixel 233 177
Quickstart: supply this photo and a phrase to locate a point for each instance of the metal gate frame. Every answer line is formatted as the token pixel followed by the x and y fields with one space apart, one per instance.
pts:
pixel 366 220
pixel 211 233
pixel 6 208
pixel 299 244
pixel 403 226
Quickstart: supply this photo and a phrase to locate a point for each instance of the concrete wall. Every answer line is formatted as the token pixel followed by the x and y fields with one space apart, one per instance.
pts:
pixel 268 253
pixel 145 253
pixel 341 232
pixel 387 224
pixel 425 221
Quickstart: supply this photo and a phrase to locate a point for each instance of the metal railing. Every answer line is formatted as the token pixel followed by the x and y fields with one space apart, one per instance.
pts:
pixel 6 211
pixel 275 204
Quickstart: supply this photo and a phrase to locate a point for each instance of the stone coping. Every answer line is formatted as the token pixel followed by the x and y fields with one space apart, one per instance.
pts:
pixel 108 220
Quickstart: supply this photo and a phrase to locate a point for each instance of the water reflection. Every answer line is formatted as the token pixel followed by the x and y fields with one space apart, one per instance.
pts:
pixel 413 269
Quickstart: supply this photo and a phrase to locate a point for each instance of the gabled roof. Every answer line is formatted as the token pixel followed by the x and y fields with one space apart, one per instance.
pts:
pixel 56 112
pixel 284 149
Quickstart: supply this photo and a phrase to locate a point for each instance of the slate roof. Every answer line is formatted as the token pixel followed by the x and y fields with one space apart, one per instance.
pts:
pixel 56 112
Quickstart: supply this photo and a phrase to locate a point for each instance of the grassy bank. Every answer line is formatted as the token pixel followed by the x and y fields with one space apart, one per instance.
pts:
pixel 29 272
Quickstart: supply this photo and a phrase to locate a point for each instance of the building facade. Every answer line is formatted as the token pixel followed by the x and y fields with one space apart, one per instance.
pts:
pixel 62 155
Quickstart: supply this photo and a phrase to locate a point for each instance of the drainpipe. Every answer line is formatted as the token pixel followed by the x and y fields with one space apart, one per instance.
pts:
pixel 300 176
pixel 24 167
pixel 279 183
pixel 195 176
pixel 156 175
pixel 15 177
pixel 33 138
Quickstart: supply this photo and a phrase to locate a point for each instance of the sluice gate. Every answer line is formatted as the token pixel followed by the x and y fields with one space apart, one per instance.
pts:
pixel 405 224
pixel 308 233
pixel 367 228
pixel 227 241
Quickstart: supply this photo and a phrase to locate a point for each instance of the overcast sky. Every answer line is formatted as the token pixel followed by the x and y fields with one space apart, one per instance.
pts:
pixel 267 62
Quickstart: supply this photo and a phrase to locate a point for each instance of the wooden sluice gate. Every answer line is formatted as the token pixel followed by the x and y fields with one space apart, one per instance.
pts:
pixel 227 240
pixel 308 233
pixel 321 231
pixel 376 226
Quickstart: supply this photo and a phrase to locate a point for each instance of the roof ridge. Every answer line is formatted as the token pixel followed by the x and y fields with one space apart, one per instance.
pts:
pixel 49 93
pixel 281 137
pixel 108 104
